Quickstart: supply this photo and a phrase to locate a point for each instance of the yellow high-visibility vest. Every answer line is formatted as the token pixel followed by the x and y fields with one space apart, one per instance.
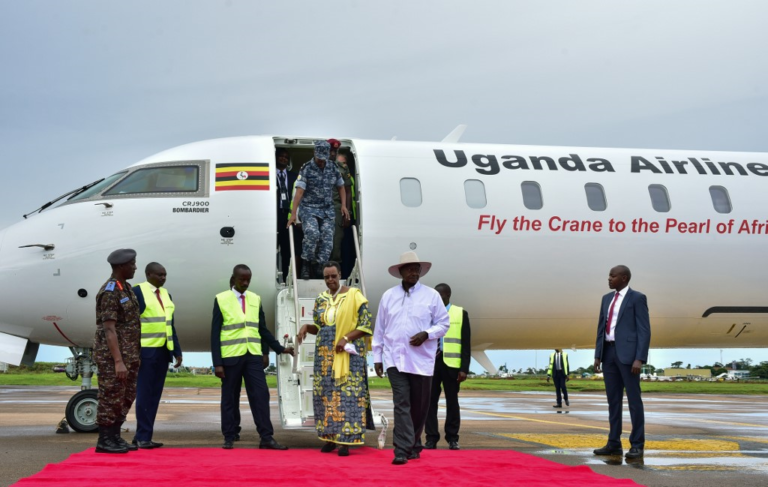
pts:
pixel 452 339
pixel 239 331
pixel 563 363
pixel 157 319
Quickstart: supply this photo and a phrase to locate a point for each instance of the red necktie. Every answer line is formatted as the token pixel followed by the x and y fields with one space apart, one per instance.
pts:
pixel 157 293
pixel 610 315
pixel 242 302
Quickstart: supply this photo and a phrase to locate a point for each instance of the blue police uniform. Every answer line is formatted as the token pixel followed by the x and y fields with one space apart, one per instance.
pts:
pixel 316 209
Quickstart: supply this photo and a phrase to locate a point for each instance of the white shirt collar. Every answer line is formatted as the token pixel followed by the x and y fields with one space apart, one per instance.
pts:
pixel 415 287
pixel 238 293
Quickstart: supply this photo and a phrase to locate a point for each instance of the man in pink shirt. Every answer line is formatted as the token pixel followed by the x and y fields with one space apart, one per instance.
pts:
pixel 410 321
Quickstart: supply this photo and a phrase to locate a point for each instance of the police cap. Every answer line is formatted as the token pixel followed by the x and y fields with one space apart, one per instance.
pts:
pixel 121 256
pixel 322 150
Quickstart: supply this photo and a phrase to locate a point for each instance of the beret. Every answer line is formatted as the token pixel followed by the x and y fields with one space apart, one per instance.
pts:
pixel 121 256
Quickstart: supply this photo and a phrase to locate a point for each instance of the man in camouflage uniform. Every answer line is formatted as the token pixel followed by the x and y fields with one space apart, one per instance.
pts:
pixel 116 351
pixel 314 189
pixel 340 222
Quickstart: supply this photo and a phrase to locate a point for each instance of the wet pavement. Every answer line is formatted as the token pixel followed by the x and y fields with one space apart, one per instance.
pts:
pixel 691 440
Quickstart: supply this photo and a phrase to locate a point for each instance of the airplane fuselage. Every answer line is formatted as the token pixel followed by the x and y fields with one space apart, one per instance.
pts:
pixel 529 265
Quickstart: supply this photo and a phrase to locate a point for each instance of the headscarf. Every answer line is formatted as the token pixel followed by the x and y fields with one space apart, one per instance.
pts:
pixel 346 322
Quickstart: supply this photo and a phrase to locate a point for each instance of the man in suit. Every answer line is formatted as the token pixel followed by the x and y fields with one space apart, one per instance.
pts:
pixel 451 368
pixel 623 339
pixel 285 181
pixel 159 346
pixel 238 329
pixel 558 370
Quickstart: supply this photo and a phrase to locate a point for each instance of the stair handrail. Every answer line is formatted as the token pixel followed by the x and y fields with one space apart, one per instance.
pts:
pixel 293 282
pixel 359 260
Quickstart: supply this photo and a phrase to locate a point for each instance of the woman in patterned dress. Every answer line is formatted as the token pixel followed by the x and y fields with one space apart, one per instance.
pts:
pixel 341 322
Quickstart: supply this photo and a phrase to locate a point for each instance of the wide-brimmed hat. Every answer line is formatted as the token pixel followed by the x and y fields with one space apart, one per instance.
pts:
pixel 406 258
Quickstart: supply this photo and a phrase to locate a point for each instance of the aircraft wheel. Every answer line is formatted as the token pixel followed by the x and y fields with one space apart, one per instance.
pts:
pixel 81 411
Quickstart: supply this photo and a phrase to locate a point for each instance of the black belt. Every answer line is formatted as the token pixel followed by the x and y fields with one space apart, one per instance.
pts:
pixel 609 344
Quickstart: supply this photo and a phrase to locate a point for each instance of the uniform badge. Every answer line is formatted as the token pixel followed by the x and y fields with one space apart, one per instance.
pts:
pixel 110 286
pixel 124 300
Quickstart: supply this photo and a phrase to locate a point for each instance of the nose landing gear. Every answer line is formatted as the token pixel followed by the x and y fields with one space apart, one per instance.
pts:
pixel 81 408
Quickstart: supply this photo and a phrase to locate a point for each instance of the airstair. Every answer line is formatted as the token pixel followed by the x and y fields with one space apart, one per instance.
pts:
pixel 294 307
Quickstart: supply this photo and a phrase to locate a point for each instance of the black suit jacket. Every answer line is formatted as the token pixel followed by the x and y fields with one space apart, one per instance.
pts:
pixel 291 183
pixel 633 327
pixel 466 343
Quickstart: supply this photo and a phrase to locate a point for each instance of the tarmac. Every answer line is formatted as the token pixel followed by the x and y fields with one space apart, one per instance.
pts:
pixel 691 440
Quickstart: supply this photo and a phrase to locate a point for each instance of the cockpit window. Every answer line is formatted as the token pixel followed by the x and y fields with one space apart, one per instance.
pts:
pixel 169 179
pixel 98 188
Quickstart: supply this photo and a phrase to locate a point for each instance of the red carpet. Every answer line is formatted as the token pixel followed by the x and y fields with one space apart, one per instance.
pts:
pixel 365 466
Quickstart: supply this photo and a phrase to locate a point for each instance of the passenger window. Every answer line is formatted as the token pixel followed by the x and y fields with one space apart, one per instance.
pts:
pixel 659 198
pixel 474 192
pixel 169 179
pixel 410 192
pixel 98 188
pixel 532 195
pixel 595 197
pixel 720 199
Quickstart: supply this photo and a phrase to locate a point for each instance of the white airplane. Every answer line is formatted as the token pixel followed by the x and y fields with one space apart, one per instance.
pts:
pixel 525 236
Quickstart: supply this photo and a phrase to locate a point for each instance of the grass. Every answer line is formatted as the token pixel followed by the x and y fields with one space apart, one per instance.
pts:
pixel 18 377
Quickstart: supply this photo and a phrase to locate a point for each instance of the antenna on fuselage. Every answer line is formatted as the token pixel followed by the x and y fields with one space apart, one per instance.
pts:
pixel 455 134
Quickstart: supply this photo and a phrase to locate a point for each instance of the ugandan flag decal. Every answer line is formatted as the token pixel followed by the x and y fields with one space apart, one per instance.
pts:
pixel 242 176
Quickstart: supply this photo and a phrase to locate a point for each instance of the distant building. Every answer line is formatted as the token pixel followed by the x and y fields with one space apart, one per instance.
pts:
pixel 200 370
pixel 3 367
pixel 703 373
pixel 737 374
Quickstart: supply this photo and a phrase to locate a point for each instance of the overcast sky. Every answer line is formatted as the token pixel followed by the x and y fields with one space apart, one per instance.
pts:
pixel 88 87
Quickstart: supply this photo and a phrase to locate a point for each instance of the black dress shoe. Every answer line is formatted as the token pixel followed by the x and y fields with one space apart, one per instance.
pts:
pixel 453 445
pixel 567 403
pixel 634 452
pixel 328 447
pixel 237 437
pixel 430 445
pixel 343 451
pixel 146 445
pixel 608 450
pixel 228 444
pixel 399 461
pixel 557 406
pixel 414 455
pixel 271 445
